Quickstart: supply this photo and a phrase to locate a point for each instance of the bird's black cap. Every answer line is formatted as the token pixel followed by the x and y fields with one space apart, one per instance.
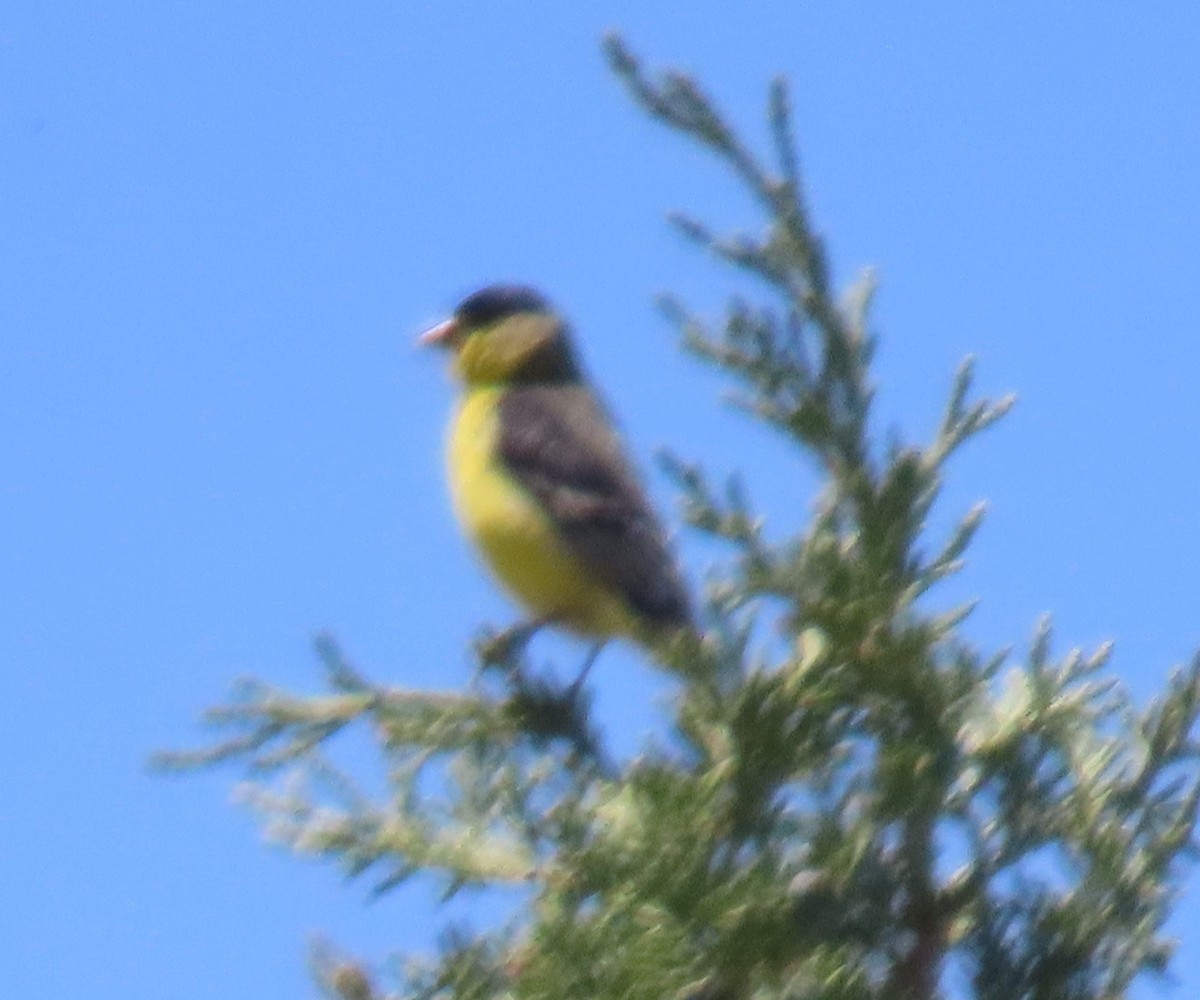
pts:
pixel 496 302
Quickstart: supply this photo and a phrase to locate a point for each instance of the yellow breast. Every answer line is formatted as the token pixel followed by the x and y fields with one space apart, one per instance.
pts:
pixel 517 538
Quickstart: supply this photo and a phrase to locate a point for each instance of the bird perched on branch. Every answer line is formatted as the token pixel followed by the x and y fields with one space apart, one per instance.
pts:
pixel 540 481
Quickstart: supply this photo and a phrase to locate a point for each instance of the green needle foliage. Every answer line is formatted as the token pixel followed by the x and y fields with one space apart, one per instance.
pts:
pixel 850 801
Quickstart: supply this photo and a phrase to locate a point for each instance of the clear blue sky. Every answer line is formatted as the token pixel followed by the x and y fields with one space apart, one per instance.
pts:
pixel 222 224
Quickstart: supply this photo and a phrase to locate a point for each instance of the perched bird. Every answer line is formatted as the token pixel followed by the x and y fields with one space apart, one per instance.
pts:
pixel 540 482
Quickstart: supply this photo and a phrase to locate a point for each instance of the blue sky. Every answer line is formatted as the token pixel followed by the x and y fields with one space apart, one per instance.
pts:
pixel 223 223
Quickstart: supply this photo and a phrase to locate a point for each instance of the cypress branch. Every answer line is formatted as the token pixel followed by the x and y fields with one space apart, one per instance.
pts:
pixel 848 797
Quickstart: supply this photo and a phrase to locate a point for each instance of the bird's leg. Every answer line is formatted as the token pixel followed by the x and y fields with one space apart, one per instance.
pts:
pixel 573 691
pixel 499 649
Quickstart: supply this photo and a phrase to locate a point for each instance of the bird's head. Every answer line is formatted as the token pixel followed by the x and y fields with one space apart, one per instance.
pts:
pixel 506 334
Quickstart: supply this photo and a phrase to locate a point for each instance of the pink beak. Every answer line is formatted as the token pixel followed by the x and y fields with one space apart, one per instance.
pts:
pixel 442 335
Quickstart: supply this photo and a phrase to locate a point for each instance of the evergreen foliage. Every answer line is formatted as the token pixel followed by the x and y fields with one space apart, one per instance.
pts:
pixel 859 805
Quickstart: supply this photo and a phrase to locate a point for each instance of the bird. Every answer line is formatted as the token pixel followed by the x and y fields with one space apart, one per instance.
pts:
pixel 540 480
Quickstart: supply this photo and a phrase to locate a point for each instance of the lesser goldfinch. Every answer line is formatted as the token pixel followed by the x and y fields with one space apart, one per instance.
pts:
pixel 540 480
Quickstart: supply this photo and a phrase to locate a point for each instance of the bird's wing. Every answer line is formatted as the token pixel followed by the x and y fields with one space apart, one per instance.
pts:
pixel 559 444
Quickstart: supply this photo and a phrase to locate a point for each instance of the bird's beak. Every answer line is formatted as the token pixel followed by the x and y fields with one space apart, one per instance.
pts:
pixel 445 334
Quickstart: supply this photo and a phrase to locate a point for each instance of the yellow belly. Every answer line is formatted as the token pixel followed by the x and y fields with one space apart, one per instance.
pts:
pixel 518 540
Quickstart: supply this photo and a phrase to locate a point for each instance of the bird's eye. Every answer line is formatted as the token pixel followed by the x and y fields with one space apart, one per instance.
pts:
pixel 496 302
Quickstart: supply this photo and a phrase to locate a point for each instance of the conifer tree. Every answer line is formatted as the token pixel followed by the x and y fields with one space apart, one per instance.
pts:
pixel 849 799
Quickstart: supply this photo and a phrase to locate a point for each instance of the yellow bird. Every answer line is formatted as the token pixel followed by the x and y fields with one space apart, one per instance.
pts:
pixel 540 480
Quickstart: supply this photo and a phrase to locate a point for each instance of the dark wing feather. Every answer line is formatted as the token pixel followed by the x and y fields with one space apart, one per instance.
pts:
pixel 559 444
